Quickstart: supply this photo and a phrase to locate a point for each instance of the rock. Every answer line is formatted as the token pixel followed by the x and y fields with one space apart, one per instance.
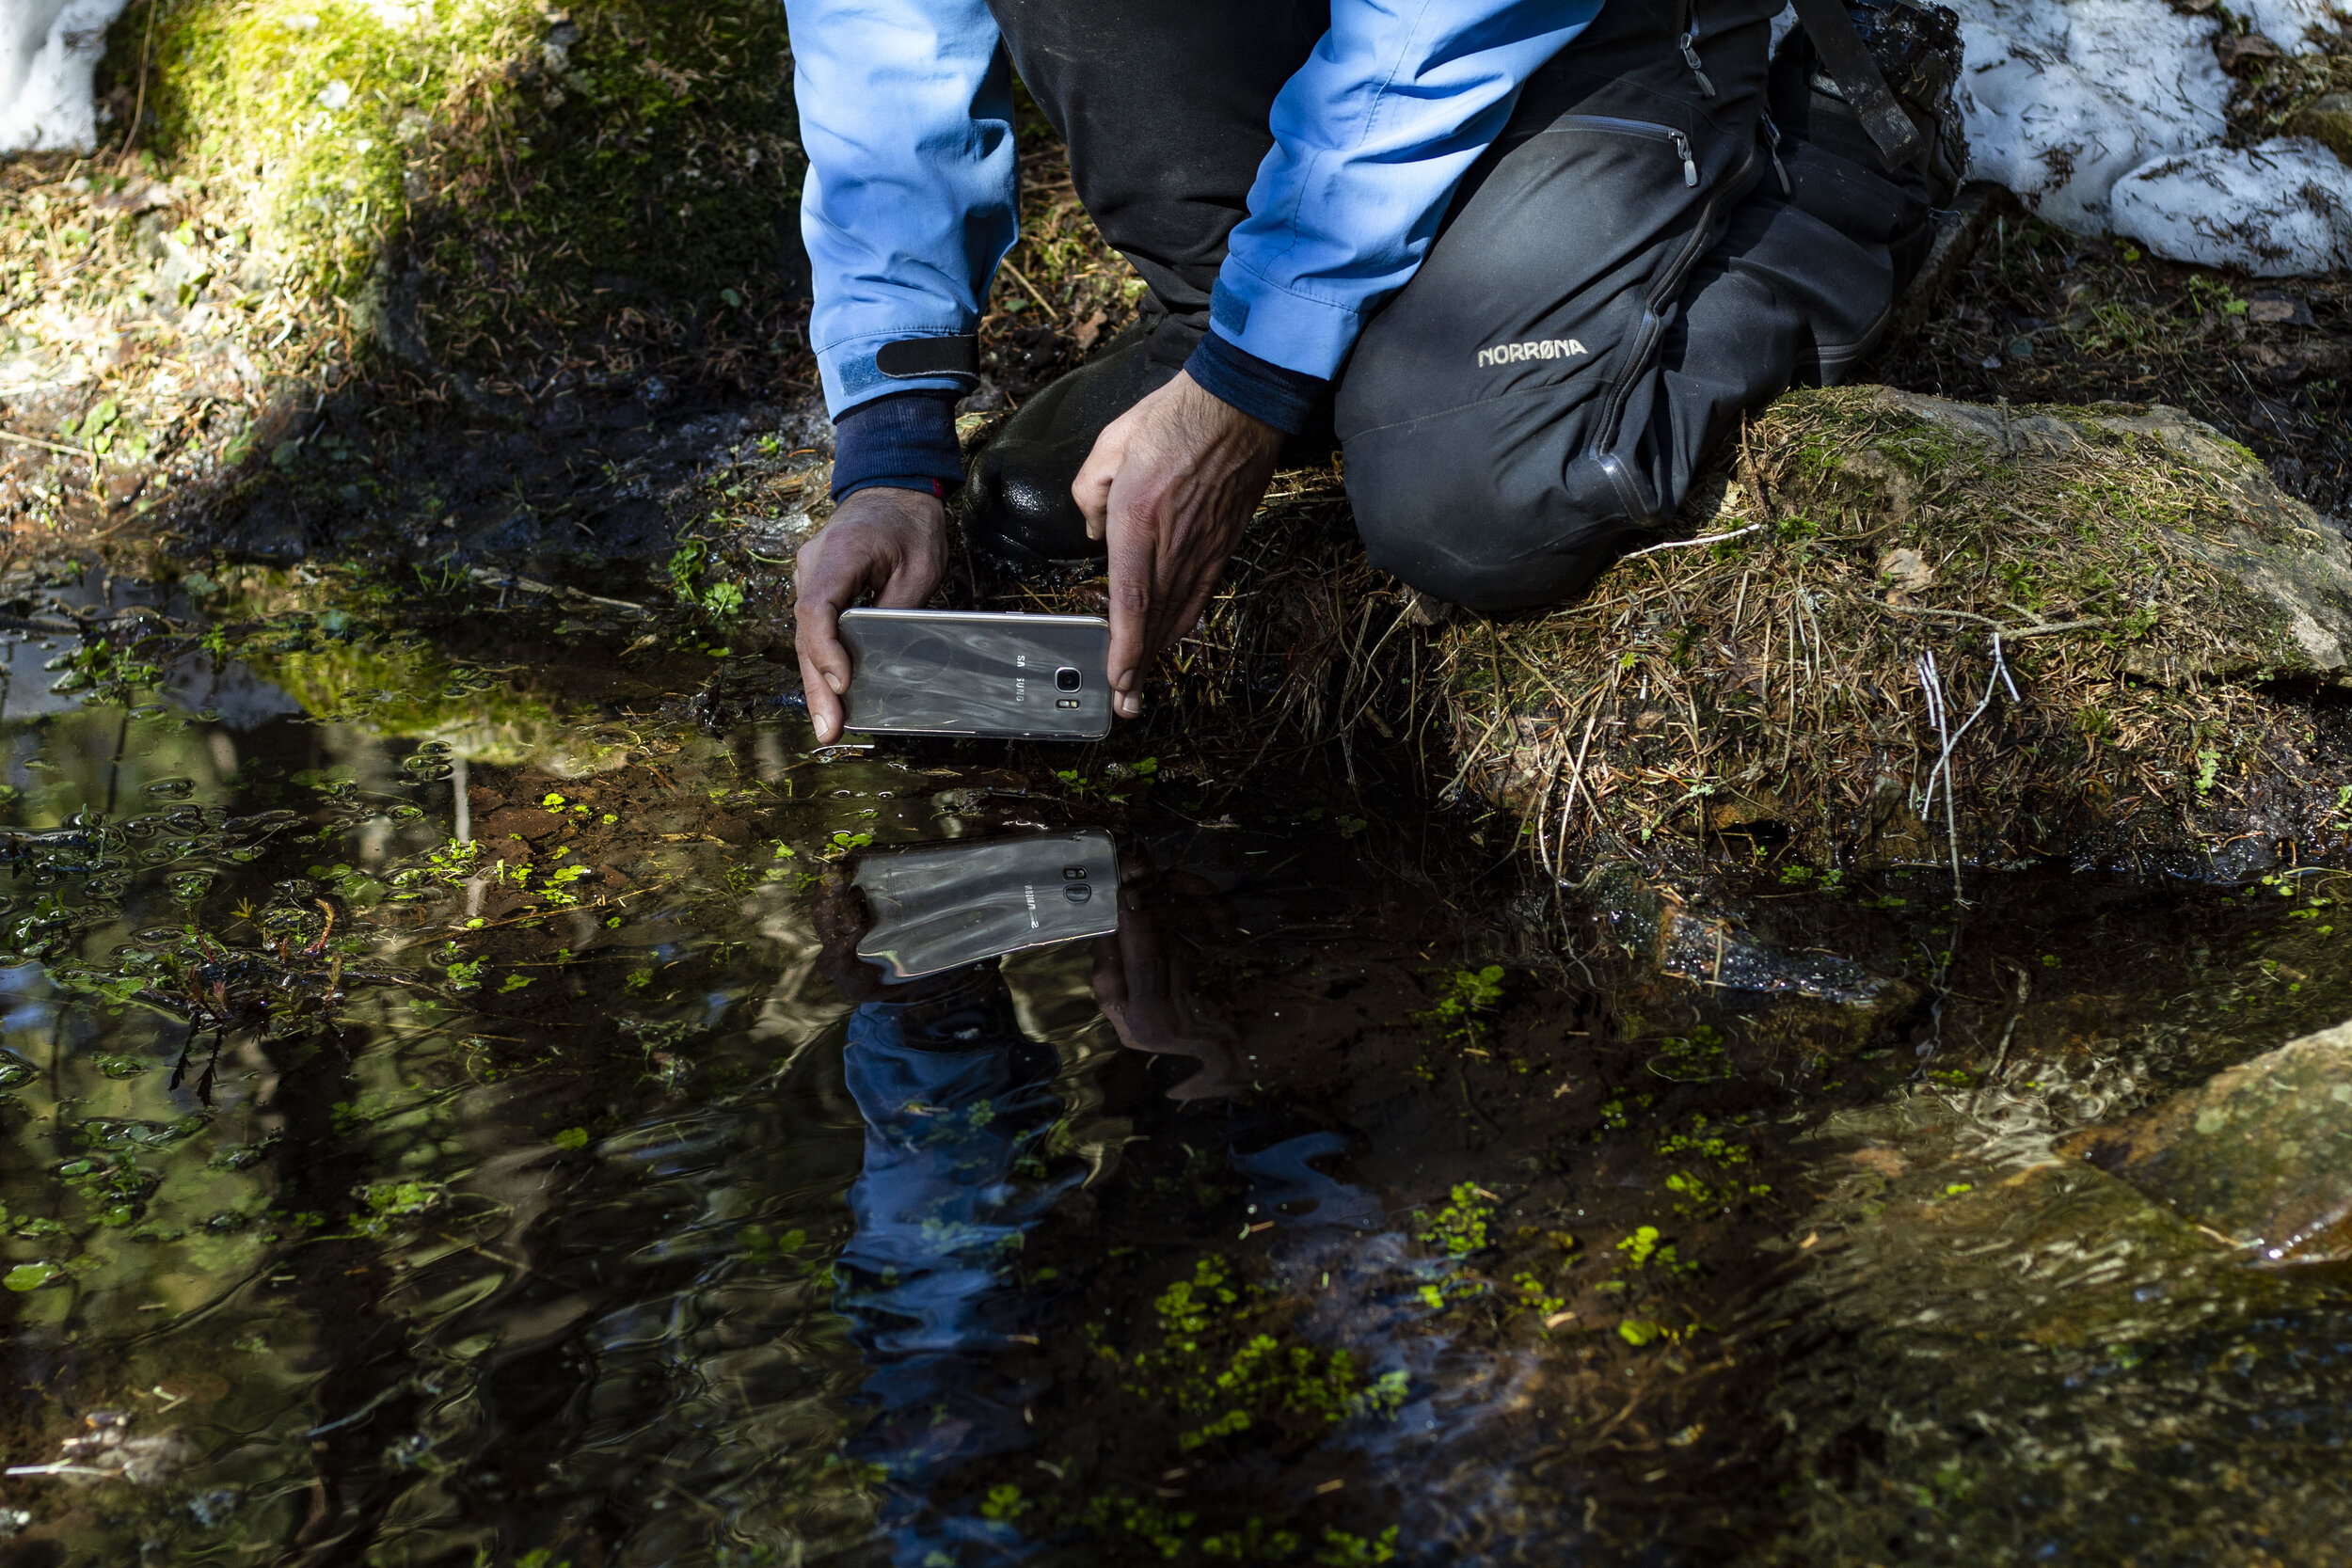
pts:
pixel 1721 950
pixel 2099 648
pixel 2280 210
pixel 271 528
pixel 525 822
pixel 2328 120
pixel 2262 1153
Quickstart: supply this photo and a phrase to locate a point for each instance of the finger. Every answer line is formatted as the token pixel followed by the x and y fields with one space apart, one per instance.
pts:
pixel 1109 979
pixel 1134 563
pixel 912 580
pixel 1181 605
pixel 1091 489
pixel 825 666
pixel 824 708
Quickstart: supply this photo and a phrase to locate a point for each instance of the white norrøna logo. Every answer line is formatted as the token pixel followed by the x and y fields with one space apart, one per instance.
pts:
pixel 1543 348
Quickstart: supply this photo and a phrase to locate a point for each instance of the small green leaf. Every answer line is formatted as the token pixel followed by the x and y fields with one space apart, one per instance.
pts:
pixel 31 1276
pixel 572 1138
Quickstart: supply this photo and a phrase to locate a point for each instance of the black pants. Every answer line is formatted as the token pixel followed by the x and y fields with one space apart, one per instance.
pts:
pixel 1625 211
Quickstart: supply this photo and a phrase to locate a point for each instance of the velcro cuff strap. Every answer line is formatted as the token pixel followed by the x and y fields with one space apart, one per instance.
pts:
pixel 1849 63
pixel 910 359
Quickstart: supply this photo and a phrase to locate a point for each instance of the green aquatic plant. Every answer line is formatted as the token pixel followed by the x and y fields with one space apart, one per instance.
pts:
pixel 1219 1358
pixel 1647 1248
pixel 1699 1057
pixel 1464 1003
pixel 1461 1227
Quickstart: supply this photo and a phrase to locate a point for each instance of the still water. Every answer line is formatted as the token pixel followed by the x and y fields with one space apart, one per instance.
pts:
pixel 447 1120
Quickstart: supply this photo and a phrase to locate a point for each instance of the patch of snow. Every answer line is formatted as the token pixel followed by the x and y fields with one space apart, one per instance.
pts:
pixel 2062 98
pixel 2289 23
pixel 49 50
pixel 2280 210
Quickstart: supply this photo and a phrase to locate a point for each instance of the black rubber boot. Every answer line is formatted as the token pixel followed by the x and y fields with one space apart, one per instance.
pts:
pixel 1019 511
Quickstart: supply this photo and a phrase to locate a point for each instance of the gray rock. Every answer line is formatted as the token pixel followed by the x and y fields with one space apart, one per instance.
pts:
pixel 2261 1153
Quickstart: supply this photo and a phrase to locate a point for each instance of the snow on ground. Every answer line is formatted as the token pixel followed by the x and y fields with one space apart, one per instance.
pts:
pixel 2280 210
pixel 2288 23
pixel 2108 115
pixel 2063 100
pixel 48 51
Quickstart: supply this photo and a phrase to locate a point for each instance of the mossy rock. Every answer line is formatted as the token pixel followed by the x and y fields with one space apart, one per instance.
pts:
pixel 507 197
pixel 1938 633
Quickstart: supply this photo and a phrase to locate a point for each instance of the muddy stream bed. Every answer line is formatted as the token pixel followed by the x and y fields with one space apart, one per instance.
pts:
pixel 490 1151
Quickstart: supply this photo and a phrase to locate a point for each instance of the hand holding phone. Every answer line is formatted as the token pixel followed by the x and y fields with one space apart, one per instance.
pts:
pixel 889 543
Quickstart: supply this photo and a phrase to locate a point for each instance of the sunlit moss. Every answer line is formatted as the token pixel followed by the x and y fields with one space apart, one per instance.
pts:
pixel 486 182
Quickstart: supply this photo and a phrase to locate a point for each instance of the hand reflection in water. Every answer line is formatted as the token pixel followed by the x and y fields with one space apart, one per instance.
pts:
pixel 1146 976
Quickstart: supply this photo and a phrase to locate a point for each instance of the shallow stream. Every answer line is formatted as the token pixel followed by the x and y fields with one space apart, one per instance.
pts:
pixel 445 1122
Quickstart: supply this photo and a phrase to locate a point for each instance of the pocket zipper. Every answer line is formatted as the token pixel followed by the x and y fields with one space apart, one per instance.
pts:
pixel 1664 287
pixel 1772 145
pixel 1691 57
pixel 1642 128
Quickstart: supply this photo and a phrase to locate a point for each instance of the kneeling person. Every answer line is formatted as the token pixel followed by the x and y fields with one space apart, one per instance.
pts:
pixel 1529 261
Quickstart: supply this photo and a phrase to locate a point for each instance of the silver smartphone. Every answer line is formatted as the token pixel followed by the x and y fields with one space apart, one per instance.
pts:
pixel 954 671
pixel 939 906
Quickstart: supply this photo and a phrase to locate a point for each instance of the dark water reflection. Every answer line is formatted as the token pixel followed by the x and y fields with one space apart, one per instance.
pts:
pixel 368 1202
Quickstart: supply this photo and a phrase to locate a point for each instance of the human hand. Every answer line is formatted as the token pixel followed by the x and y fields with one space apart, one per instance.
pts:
pixel 1170 485
pixel 842 919
pixel 891 544
pixel 1146 985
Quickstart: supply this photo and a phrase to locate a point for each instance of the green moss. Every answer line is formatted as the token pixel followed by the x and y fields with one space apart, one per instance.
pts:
pixel 487 187
pixel 302 113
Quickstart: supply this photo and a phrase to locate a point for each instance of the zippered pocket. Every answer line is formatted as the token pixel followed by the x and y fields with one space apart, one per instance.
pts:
pixel 1688 43
pixel 1648 129
pixel 1663 286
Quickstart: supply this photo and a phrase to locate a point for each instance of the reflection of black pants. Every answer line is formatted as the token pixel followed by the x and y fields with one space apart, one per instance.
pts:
pixel 1617 280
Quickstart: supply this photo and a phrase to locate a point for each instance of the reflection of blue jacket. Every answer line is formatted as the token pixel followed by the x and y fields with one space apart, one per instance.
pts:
pixel 954 1101
pixel 957 1104
pixel 906 115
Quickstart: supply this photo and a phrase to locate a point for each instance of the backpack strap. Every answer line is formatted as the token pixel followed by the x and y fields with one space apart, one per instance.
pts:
pixel 1849 63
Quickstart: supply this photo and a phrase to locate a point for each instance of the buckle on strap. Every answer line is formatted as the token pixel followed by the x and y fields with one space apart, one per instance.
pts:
pixel 911 357
pixel 1848 60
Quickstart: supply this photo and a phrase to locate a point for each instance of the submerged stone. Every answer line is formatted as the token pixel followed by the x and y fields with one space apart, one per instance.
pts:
pixel 2262 1153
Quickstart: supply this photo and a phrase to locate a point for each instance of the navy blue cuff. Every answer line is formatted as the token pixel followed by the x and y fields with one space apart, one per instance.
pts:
pixel 1259 388
pixel 903 441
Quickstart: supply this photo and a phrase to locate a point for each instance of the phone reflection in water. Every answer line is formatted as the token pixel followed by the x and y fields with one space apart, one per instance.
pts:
pixel 958 1105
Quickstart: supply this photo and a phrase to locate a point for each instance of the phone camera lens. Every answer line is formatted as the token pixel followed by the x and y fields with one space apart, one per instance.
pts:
pixel 1077 892
pixel 1065 679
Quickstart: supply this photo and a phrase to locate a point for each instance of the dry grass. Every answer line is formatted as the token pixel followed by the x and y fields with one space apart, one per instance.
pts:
pixel 1922 649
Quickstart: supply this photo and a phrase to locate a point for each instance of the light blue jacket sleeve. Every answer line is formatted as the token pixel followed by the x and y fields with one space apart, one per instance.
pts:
pixel 1369 138
pixel 908 204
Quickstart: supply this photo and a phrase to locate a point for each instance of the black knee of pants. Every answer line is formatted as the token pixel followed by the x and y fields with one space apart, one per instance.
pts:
pixel 1616 281
pixel 1622 278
